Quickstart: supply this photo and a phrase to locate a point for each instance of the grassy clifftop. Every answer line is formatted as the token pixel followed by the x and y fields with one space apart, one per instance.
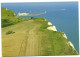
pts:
pixel 54 42
pixel 32 38
pixel 8 17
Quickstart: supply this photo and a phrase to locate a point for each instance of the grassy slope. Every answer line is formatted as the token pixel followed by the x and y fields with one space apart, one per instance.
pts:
pixel 10 17
pixel 32 38
pixel 57 43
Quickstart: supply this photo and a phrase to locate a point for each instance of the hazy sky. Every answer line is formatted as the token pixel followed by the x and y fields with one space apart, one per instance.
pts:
pixel 39 3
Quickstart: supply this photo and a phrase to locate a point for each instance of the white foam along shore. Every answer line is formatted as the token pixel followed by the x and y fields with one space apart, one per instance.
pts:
pixel 53 28
pixel 28 14
pixel 23 14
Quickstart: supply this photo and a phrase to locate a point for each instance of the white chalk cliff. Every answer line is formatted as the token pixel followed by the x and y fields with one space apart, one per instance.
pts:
pixel 53 28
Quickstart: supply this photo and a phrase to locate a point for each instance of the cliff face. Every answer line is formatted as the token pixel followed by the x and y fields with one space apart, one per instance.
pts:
pixel 34 37
pixel 53 28
pixel 58 39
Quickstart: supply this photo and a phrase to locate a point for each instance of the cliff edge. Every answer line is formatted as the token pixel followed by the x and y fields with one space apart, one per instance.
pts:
pixel 32 37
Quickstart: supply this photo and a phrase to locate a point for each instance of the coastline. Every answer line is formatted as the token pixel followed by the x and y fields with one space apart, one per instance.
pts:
pixel 53 28
pixel 32 30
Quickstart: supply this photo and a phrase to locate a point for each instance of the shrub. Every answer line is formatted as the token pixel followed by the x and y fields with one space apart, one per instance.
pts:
pixel 32 17
pixel 9 32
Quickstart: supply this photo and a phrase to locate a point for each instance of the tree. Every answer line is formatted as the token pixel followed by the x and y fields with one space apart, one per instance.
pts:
pixel 32 17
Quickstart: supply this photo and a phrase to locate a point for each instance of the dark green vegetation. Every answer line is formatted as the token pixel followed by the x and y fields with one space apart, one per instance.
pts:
pixel 10 17
pixel 9 32
pixel 30 37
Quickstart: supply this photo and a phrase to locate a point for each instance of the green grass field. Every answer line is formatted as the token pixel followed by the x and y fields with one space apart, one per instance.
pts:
pixel 30 37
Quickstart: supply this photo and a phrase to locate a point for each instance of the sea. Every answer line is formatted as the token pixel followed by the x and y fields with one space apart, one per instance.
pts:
pixel 64 15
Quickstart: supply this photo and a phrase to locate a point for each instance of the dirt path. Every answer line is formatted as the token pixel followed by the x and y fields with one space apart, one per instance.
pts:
pixel 32 43
pixel 24 42
pixel 29 46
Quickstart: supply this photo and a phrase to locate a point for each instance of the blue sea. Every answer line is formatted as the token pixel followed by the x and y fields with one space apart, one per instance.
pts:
pixel 64 15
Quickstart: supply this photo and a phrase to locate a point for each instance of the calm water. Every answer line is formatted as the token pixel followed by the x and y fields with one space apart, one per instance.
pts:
pixel 64 15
